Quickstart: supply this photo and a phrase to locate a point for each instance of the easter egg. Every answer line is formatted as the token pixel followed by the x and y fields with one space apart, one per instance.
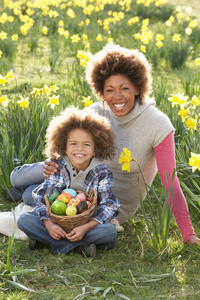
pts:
pixel 72 192
pixel 71 211
pixel 81 207
pixel 58 207
pixel 88 204
pixel 53 196
pixel 73 202
pixel 81 197
pixel 64 197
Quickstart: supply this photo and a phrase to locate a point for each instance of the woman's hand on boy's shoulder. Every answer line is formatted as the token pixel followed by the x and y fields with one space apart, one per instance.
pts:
pixel 193 241
pixel 49 167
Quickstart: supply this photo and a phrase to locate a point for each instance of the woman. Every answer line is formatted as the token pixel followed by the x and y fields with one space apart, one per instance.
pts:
pixel 121 80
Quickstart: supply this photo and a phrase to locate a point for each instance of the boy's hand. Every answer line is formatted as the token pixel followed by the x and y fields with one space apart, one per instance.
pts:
pixel 49 167
pixel 55 231
pixel 76 234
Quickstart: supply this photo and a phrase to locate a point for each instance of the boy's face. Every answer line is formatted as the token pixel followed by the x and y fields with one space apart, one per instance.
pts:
pixel 80 149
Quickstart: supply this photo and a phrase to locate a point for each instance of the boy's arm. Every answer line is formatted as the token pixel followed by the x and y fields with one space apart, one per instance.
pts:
pixel 107 208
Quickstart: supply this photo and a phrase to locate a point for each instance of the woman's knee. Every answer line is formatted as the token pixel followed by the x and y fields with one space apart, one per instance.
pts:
pixel 26 175
pixel 27 194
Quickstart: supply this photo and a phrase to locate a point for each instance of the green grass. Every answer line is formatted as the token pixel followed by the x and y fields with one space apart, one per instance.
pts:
pixel 134 269
pixel 140 271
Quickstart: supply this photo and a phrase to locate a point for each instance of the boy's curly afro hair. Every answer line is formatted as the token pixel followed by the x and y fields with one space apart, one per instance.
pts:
pixel 113 60
pixel 87 119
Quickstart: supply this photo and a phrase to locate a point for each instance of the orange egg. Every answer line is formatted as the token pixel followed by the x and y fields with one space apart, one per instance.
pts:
pixel 64 197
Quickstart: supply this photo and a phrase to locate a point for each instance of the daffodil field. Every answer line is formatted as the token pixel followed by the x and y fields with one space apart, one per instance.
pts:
pixel 44 49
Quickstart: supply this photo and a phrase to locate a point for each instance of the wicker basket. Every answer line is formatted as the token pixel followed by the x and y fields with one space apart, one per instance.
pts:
pixel 70 222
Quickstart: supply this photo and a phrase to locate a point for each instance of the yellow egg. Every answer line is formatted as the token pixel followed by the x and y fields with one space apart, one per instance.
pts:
pixel 71 211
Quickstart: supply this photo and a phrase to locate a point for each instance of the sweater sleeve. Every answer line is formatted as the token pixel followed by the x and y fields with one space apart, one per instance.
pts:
pixel 165 157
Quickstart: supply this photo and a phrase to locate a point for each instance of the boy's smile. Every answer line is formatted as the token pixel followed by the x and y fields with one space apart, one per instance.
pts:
pixel 80 148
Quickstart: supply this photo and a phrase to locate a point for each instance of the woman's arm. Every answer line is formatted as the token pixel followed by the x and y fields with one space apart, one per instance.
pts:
pixel 165 157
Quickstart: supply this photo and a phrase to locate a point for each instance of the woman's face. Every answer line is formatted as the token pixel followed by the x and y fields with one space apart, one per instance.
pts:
pixel 119 93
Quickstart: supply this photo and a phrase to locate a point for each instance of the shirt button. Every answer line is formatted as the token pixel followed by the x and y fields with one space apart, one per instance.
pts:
pixel 73 169
pixel 74 175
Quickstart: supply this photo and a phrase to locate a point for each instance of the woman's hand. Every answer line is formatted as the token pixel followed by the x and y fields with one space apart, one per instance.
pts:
pixel 49 167
pixel 193 241
pixel 55 231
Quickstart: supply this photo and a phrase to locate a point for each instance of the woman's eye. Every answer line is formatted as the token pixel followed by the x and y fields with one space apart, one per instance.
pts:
pixel 109 91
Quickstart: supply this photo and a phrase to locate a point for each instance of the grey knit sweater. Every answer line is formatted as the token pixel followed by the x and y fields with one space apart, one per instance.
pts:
pixel 144 128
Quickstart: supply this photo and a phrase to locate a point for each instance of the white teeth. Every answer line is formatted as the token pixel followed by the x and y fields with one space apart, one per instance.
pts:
pixel 79 155
pixel 119 105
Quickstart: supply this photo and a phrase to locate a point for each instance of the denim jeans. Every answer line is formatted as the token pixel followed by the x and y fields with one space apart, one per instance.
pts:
pixel 103 235
pixel 26 178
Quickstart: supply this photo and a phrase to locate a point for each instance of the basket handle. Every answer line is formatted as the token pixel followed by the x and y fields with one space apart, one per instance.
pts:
pixel 48 208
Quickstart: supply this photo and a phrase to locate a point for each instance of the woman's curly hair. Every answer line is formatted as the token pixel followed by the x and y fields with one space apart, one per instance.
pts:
pixel 87 119
pixel 113 60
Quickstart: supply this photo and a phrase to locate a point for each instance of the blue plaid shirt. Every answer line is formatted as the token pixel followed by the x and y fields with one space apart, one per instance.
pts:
pixel 99 178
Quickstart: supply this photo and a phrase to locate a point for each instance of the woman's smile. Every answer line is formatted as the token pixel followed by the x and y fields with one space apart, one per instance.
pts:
pixel 119 93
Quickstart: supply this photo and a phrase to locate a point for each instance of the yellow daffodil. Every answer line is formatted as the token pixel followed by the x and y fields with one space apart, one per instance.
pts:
pixel 36 91
pixel 66 34
pixel 71 13
pixel 10 76
pixel 159 37
pixel 46 90
pixel 197 61
pixel 10 19
pixel 183 113
pixel 178 99
pixel 125 158
pixel 176 37
pixel 143 49
pixel 87 22
pixel 195 101
pixel 2 80
pixel 53 101
pixel 3 18
pixel 168 23
pixel 75 38
pixel 14 37
pixel 133 21
pixel 188 31
pixel 159 44
pixel 3 35
pixel 191 123
pixel 54 88
pixel 61 23
pixel 24 103
pixel 61 30
pixel 194 161
pixel 87 101
pixel 99 38
pixel 193 24
pixel 4 100
pixel 44 30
